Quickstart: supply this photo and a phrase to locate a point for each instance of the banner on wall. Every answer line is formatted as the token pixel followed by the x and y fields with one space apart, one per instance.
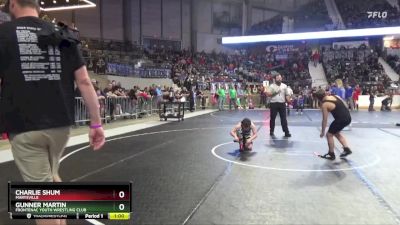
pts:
pixel 130 71
pixel 349 44
pixel 281 56
pixel 154 73
pixel 281 48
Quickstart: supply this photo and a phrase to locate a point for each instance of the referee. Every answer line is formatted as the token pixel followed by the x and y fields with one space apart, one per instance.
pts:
pixel 279 96
pixel 39 64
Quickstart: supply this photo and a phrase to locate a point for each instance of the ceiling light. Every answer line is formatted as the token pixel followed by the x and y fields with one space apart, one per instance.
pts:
pixel 312 35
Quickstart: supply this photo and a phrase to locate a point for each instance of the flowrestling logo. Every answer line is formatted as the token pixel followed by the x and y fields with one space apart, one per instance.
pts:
pixel 380 15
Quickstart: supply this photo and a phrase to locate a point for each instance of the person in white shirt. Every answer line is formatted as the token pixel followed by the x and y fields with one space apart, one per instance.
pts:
pixel 279 96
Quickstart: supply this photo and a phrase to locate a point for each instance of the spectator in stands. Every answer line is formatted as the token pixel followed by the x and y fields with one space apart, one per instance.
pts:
pixel 314 103
pixel 99 92
pixel 165 88
pixel 109 93
pixel 118 91
pixel 334 90
pixel 133 96
pixel 371 101
pixel 356 93
pixel 232 97
pixel 300 103
pixel 145 94
pixel 239 91
pixel 108 90
pixel 221 97
pixel 316 58
pixel 100 66
pixel 201 98
pixel 349 96
pixel 95 83
pixel 171 94
pixel 328 89
pixel 192 99
pixel 263 97
pixel 246 97
pixel 152 91
pixel 180 95
pixel 307 96
pixel 159 95
pixel 340 89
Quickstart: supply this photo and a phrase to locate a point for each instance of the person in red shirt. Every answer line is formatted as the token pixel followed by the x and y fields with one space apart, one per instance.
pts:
pixel 202 61
pixel 356 93
pixel 316 58
pixel 144 94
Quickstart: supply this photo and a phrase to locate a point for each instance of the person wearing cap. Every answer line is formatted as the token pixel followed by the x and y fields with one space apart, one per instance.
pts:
pixel 38 69
pixel 279 94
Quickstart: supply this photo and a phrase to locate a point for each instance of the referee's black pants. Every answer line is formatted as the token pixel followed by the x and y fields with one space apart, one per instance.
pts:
pixel 277 107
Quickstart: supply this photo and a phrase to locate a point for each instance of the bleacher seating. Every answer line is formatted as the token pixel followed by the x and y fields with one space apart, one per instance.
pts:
pixel 355 13
pixel 354 66
pixel 310 17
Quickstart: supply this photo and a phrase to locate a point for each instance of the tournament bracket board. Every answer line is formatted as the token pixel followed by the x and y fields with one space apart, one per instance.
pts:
pixel 64 200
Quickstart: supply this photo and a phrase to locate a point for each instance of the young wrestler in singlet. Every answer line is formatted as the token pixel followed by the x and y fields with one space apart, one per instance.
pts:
pixel 244 132
pixel 339 110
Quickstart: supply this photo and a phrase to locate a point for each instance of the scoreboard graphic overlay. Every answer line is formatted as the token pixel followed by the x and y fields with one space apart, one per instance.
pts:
pixel 110 201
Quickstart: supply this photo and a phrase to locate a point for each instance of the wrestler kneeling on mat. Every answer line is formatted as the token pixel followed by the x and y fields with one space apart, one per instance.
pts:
pixel 335 105
pixel 245 133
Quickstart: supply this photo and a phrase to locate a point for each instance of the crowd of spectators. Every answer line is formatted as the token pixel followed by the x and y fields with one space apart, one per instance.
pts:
pixel 394 62
pixel 243 66
pixel 314 16
pixel 122 101
pixel 354 66
pixel 200 69
pixel 310 17
pixel 271 26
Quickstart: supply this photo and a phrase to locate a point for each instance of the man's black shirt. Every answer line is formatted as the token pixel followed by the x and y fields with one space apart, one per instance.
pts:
pixel 37 90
